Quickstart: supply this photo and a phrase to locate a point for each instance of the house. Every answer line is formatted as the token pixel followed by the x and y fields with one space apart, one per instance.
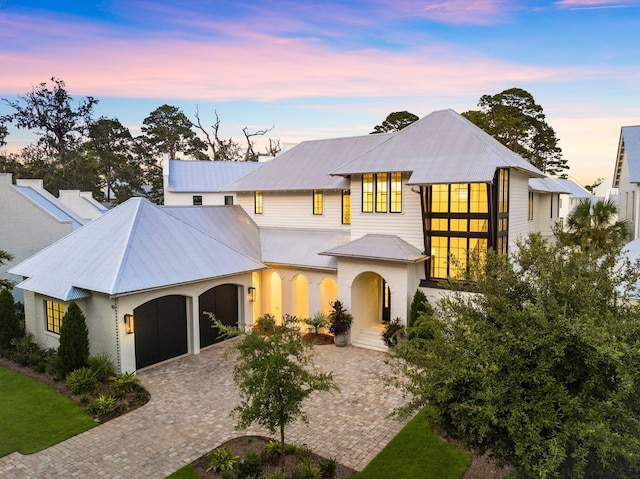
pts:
pixel 626 177
pixel 82 203
pixel 366 220
pixel 31 219
pixel 576 194
pixel 545 204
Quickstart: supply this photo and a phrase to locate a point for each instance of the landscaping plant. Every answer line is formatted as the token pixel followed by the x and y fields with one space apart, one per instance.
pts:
pixel 10 327
pixel 74 339
pixel 318 321
pixel 222 459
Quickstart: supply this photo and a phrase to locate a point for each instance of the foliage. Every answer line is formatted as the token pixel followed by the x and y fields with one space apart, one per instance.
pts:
pixel 274 374
pixel 306 470
pixel 28 353
pixel 4 257
pixel 9 323
pixel 125 383
pixel 34 416
pixel 542 368
pixel 82 380
pixel 514 119
pixel 101 365
pixel 103 405
pixel 168 130
pixel 340 319
pixel 318 321
pixel 328 467
pixel 222 459
pixel 266 323
pixel 393 332
pixel 249 466
pixel 594 227
pixel 395 121
pixel 419 305
pixel 74 339
pixel 272 450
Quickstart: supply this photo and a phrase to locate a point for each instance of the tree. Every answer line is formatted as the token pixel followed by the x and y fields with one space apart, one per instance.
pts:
pixel 594 227
pixel 514 119
pixel 168 130
pixel 61 125
pixel 73 350
pixel 419 305
pixel 542 368
pixel 4 257
pixel 275 374
pixel 4 132
pixel 318 321
pixel 395 121
pixel 9 321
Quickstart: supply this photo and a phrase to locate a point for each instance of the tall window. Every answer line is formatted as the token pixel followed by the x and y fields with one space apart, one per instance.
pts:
pixel 257 202
pixel 396 192
pixel 346 207
pixel 381 192
pixel 317 202
pixel 367 193
pixel 53 314
pixel 530 217
pixel 503 211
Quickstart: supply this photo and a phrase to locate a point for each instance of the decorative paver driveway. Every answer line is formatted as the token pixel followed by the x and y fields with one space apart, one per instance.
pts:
pixel 189 414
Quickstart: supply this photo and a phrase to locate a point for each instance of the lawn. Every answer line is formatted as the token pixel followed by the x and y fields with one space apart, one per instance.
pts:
pixel 416 452
pixel 34 416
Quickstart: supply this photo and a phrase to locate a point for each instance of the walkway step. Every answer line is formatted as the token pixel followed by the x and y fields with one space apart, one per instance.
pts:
pixel 370 338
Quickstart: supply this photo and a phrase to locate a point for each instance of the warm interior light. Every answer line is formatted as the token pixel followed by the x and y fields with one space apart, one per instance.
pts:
pixel 252 294
pixel 128 323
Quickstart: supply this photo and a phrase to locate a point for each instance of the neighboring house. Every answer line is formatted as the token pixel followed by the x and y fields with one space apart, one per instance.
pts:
pixel 366 220
pixel 545 201
pixel 626 177
pixel 82 203
pixel 576 194
pixel 199 182
pixel 30 218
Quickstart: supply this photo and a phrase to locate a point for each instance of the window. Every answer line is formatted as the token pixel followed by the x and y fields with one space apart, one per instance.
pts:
pixel 530 206
pixel 381 192
pixel 317 202
pixel 257 202
pixel 396 192
pixel 228 200
pixel 197 200
pixel 346 207
pixel 503 211
pixel 367 193
pixel 53 314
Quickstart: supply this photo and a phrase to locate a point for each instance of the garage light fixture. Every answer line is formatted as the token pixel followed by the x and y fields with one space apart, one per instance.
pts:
pixel 252 294
pixel 128 323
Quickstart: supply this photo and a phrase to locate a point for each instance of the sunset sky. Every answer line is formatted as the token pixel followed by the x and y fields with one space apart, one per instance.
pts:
pixel 322 69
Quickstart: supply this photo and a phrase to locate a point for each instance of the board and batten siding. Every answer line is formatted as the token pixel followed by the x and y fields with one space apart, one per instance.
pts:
pixel 406 225
pixel 629 198
pixel 518 207
pixel 295 209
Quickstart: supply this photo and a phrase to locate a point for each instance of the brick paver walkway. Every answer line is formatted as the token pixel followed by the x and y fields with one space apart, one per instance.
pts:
pixel 189 414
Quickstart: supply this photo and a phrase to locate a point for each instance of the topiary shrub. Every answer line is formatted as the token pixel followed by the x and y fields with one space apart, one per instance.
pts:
pixel 9 322
pixel 419 305
pixel 74 339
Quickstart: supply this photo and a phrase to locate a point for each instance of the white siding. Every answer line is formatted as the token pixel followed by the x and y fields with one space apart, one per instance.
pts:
pixel 628 199
pixel 518 207
pixel 406 225
pixel 186 199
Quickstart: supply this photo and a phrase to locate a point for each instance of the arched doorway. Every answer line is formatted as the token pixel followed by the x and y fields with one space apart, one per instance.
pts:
pixel 300 290
pixel 160 330
pixel 222 301
pixel 328 294
pixel 370 300
pixel 273 294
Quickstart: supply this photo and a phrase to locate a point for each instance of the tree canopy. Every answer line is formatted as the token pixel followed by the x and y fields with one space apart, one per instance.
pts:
pixel 395 121
pixel 514 119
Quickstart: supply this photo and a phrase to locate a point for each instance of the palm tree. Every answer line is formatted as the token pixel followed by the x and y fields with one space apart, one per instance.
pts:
pixel 594 227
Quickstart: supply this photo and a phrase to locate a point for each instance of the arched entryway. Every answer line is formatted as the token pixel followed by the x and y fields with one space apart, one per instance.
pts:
pixel 160 330
pixel 222 301
pixel 370 299
pixel 273 294
pixel 328 294
pixel 300 290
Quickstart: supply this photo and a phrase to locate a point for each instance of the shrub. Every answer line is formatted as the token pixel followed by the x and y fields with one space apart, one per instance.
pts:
pixel 82 380
pixel 266 323
pixel 103 405
pixel 54 367
pixel 318 321
pixel 272 451
pixel 74 339
pixel 9 321
pixel 222 459
pixel 393 332
pixel 306 470
pixel 340 319
pixel 249 466
pixel 328 468
pixel 419 305
pixel 125 383
pixel 101 365
pixel 275 475
pixel 28 353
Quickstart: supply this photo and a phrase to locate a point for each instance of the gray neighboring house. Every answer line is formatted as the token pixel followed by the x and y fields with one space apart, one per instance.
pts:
pixel 626 177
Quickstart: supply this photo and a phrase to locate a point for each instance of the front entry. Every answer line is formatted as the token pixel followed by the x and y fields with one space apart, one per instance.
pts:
pixel 222 301
pixel 161 330
pixel 386 302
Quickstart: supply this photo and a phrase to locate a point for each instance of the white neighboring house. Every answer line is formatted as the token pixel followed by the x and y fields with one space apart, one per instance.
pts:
pixel 545 200
pixel 576 194
pixel 31 219
pixel 82 203
pixel 367 220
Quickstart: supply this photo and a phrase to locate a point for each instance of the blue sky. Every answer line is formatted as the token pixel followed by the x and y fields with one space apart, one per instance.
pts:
pixel 335 68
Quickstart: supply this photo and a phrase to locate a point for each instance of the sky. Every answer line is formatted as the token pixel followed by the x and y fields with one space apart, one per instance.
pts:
pixel 335 68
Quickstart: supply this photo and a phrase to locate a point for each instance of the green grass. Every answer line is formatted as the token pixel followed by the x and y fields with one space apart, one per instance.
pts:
pixel 416 452
pixel 34 416
pixel 187 472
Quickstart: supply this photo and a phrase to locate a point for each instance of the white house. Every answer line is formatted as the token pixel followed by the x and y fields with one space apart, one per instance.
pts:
pixel 366 220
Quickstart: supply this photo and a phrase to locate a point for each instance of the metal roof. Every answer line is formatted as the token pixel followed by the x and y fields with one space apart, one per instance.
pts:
pixel 629 143
pixel 206 176
pixel 443 147
pixel 379 247
pixel 547 185
pixel 300 247
pixel 307 166
pixel 51 205
pixel 134 247
pixel 575 189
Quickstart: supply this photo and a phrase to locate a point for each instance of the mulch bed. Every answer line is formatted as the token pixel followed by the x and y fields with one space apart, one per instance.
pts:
pixel 320 340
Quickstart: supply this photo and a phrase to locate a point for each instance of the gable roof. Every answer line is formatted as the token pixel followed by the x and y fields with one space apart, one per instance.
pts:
pixel 379 247
pixel 307 166
pixel 575 189
pixel 630 143
pixel 443 147
pixel 206 176
pixel 547 185
pixel 134 247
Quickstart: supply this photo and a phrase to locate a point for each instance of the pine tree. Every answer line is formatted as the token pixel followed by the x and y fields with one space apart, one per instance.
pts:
pixel 74 339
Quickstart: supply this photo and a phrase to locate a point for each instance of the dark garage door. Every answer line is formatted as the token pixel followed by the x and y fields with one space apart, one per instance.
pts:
pixel 161 330
pixel 223 302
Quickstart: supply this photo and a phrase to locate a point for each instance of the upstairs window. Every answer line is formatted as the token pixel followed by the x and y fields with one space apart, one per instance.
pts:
pixel 317 202
pixel 228 200
pixel 367 193
pixel 381 192
pixel 53 315
pixel 346 207
pixel 197 200
pixel 257 202
pixel 396 192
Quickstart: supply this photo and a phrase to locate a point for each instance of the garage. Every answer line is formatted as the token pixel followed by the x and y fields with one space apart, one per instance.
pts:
pixel 222 301
pixel 161 330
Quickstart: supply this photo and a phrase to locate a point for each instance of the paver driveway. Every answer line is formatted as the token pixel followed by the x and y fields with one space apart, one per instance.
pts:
pixel 189 414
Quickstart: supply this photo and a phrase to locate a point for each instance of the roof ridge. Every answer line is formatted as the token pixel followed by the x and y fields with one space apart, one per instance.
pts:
pixel 125 250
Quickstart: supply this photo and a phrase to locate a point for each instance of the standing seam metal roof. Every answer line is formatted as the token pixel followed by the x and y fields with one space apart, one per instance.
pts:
pixel 207 176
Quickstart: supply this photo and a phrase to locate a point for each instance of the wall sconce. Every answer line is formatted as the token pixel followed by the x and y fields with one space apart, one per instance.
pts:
pixel 128 324
pixel 252 294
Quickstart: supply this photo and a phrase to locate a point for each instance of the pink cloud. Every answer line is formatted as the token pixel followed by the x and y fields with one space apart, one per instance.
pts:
pixel 587 4
pixel 456 12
